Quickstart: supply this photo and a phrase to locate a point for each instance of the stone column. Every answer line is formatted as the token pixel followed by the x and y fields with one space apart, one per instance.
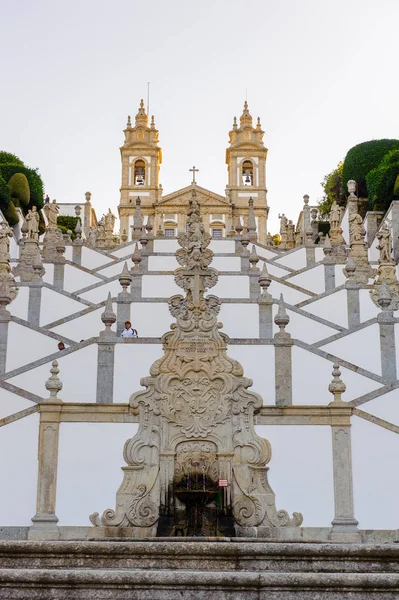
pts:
pixel 150 236
pixel 87 215
pixel 306 216
pixel 352 293
pixel 35 295
pixel 244 253
pixel 352 206
pixel 254 288
pixel 373 220
pixel 310 248
pixel 265 301
pixel 106 356
pixel 344 522
pixel 8 290
pixel 59 267
pixel 251 221
pixel 329 266
pixel 45 520
pixel 238 229
pixel 124 301
pixel 386 322
pixel 395 230
pixel 282 358
pixel 4 321
pixel 136 274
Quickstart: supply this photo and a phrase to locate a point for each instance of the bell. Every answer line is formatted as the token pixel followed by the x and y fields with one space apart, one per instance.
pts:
pixel 247 177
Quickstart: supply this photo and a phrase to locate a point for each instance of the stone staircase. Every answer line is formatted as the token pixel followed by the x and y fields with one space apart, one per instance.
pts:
pixel 197 569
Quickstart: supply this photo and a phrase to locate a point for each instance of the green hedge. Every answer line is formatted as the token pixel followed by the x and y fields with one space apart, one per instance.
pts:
pixel 381 181
pixel 11 159
pixel 34 179
pixel 19 187
pixel 361 159
pixel 67 222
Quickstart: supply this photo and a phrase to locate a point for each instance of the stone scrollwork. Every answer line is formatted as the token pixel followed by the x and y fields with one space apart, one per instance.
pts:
pixel 196 412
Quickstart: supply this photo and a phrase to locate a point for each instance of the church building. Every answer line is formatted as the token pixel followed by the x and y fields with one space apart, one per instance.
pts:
pixel 246 168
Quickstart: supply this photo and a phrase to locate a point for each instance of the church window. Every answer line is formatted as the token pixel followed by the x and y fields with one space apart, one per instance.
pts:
pixel 217 233
pixel 169 232
pixel 139 172
pixel 247 173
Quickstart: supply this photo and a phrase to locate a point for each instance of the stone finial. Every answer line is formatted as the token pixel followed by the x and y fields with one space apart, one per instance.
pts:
pixel 352 187
pixel 306 199
pixel 264 280
pixel 337 386
pixel 235 126
pixel 78 210
pixel 124 237
pixel 384 296
pixel 78 230
pixel 152 122
pixel 350 267
pixel 108 317
pixel 281 319
pixel 24 229
pixel 258 124
pixel 143 239
pixel 88 196
pixel 149 226
pixel 253 258
pixel 136 258
pixel 125 278
pixel 53 384
pixel 160 231
pixel 239 226
pixel 137 219
pixel 129 122
pixel 245 241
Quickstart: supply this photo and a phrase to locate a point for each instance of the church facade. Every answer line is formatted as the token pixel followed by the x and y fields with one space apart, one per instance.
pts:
pixel 246 165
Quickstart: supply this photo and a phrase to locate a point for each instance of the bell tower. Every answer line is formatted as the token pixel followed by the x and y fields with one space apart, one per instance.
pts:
pixel 141 160
pixel 246 163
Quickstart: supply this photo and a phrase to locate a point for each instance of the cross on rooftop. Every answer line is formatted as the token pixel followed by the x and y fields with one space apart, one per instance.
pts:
pixel 194 171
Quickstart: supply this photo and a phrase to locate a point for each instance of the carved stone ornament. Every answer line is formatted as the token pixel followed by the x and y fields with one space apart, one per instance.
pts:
pixel 8 287
pixel 359 252
pixel 386 270
pixel 196 413
pixel 29 256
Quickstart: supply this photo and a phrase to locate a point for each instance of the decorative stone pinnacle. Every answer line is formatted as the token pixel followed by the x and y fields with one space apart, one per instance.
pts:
pixel 306 199
pixel 235 126
pixel 253 258
pixel 352 188
pixel 88 196
pixel 129 122
pixel 350 267
pixel 24 229
pixel 245 241
pixel 337 386
pixel 152 122
pixel 239 226
pixel 125 278
pixel 327 249
pixel 78 229
pixel 384 296
pixel 281 319
pixel 149 226
pixel 264 279
pixel 108 317
pixel 53 384
pixel 136 257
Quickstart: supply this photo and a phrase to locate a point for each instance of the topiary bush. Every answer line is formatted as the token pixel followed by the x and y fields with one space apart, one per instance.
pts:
pixel 67 222
pixel 381 181
pixel 361 159
pixel 396 188
pixel 19 186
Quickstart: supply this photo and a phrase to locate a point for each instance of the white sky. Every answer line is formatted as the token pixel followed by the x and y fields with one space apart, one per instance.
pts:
pixel 321 74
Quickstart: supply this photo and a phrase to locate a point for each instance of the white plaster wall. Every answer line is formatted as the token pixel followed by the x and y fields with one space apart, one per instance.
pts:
pixel 345 226
pixel 18 469
pixel 55 306
pixel 240 320
pixel 368 310
pixel 319 254
pixel 125 251
pixel 312 280
pixel 231 286
pixel 375 454
pixel 84 327
pixel 162 263
pixel 76 279
pixel 303 328
pixel 159 286
pixel 91 259
pixel 273 269
pixel 78 373
pixel 301 472
pixel 263 252
pixel 26 345
pixel 68 253
pixel 397 343
pixel 333 308
pixel 19 306
pixel 151 319
pixel 226 263
pixel 290 295
pixel 100 293
pixel 361 348
pixel 48 277
pixel 223 246
pixel 14 249
pixel 132 362
pixel 295 260
pixel 339 275
pixel 11 403
pixel 169 246
pixel 374 254
pixel 258 365
pixel 385 407
pixel 114 269
pixel 91 466
pixel 312 374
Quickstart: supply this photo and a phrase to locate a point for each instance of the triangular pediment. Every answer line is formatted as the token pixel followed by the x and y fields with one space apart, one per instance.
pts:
pixel 205 197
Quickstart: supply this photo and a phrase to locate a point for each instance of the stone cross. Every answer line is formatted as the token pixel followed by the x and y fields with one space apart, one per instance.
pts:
pixel 194 171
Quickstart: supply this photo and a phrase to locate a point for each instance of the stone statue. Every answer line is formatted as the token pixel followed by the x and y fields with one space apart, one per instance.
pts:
pixel 5 233
pixel 335 216
pixel 32 222
pixel 357 231
pixel 384 244
pixel 51 211
pixel 109 221
pixel 290 234
pixel 283 224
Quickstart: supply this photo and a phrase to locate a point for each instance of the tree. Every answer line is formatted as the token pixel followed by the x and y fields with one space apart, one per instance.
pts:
pixel 333 192
pixel 381 181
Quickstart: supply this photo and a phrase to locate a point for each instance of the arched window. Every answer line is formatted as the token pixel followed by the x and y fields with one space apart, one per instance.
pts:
pixel 247 172
pixel 139 172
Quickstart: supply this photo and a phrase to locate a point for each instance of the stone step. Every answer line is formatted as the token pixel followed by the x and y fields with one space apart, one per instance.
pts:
pixel 219 556
pixel 122 584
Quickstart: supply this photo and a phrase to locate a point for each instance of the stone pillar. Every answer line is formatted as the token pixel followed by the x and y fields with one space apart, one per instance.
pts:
pixel 329 266
pixel 35 299
pixel 344 522
pixel 282 358
pixel 251 221
pixel 239 228
pixel 351 206
pixel 373 221
pixel 386 322
pixel 265 301
pixel 254 288
pixel 352 291
pixel 150 236
pixel 106 356
pixel 136 274
pixel 45 520
pixel 59 267
pixel 310 248
pixel 87 214
pixel 77 245
pixel 395 229
pixel 244 253
pixel 8 290
pixel 306 216
pixel 137 221
pixel 4 321
pixel 124 301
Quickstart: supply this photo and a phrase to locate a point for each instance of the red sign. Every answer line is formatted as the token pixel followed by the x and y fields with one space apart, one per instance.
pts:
pixel 223 483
